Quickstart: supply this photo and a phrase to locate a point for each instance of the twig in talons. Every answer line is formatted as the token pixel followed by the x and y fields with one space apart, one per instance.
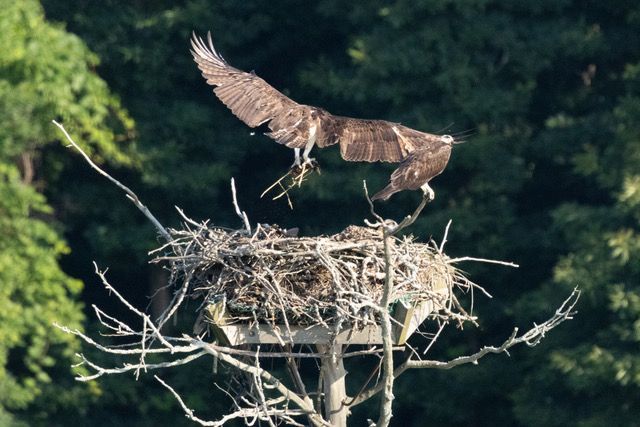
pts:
pixel 297 175
pixel 300 176
pixel 285 192
pixel 289 201
pixel 300 172
pixel 277 183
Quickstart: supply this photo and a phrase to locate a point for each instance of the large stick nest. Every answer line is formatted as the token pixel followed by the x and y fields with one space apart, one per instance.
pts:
pixel 269 276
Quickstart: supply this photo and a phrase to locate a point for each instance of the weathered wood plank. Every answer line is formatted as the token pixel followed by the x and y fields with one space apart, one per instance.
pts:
pixel 407 319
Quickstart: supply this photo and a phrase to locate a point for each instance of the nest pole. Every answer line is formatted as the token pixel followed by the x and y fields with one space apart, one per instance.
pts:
pixel 333 383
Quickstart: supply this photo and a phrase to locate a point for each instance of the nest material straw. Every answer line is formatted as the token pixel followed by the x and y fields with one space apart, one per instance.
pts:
pixel 270 277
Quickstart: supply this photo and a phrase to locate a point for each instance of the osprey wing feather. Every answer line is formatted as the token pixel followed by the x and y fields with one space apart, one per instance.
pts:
pixel 250 98
pixel 255 102
pixel 374 140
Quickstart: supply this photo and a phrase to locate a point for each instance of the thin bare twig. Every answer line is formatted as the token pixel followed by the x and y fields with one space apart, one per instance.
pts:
pixel 100 371
pixel 489 261
pixel 445 235
pixel 372 210
pixel 147 321
pixel 305 405
pixel 260 391
pixel 242 214
pixel 241 413
pixel 409 220
pixel 297 175
pixel 531 338
pixel 130 194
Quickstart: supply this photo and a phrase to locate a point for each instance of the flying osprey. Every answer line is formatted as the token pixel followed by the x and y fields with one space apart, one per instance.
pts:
pixel 422 156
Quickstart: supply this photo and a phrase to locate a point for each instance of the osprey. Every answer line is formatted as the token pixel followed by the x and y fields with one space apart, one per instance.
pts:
pixel 418 168
pixel 422 155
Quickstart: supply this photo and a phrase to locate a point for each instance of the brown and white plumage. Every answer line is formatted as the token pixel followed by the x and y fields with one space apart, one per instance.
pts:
pixel 418 169
pixel 256 102
pixel 299 126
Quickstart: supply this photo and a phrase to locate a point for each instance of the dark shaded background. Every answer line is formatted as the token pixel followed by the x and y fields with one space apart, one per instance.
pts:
pixel 549 179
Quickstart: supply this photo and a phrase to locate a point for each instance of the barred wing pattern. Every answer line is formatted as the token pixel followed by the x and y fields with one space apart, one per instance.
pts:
pixel 372 140
pixel 251 99
pixel 255 102
pixel 417 170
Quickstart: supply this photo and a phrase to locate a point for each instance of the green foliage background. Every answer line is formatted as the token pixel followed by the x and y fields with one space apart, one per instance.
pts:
pixel 550 179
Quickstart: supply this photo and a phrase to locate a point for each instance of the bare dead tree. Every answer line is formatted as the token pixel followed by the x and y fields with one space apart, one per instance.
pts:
pixel 204 259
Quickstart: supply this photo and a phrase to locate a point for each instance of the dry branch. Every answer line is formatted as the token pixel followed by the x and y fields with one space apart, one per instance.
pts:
pixel 389 230
pixel 130 194
pixel 531 338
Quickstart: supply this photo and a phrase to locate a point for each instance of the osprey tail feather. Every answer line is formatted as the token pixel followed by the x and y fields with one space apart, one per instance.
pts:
pixel 385 193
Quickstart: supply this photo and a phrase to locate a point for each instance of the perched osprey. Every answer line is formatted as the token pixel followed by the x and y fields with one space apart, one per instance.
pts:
pixel 301 127
pixel 419 167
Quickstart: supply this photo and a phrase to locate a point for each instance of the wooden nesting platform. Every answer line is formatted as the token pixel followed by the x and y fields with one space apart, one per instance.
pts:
pixel 406 319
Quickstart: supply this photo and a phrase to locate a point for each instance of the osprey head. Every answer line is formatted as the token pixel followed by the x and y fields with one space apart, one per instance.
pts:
pixel 450 140
pixel 447 139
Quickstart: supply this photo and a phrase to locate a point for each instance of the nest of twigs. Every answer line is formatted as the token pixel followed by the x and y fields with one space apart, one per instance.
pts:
pixel 270 276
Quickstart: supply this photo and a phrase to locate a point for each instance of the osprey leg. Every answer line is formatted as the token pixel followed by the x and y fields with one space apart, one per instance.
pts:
pixel 305 156
pixel 304 161
pixel 428 191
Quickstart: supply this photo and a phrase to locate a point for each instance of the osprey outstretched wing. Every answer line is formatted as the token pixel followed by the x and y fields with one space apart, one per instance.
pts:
pixel 301 127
